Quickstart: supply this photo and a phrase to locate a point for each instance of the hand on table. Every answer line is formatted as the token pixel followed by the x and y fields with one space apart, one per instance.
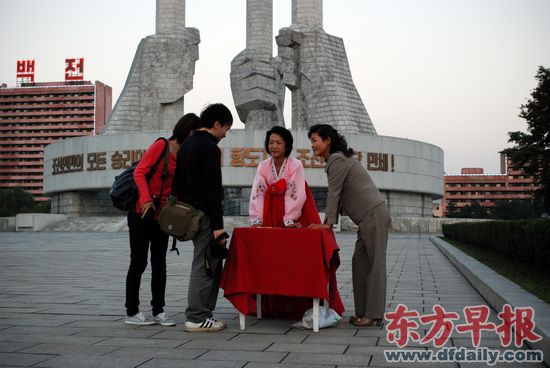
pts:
pixel 294 224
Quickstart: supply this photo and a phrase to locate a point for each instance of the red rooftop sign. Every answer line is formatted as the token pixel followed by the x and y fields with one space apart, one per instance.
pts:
pixel 74 69
pixel 25 71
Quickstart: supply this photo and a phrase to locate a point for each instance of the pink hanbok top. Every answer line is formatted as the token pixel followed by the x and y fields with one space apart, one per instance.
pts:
pixel 295 195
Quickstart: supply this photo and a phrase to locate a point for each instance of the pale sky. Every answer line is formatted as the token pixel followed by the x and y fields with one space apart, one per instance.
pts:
pixel 447 72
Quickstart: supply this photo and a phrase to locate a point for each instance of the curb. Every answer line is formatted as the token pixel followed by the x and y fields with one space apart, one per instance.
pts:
pixel 498 290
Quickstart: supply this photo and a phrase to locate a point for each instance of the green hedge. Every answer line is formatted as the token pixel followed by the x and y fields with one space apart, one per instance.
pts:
pixel 527 241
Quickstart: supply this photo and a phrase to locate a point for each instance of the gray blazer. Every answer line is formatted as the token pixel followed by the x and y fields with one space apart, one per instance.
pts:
pixel 349 187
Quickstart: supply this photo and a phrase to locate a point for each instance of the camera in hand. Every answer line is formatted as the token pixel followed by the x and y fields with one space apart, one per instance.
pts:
pixel 218 250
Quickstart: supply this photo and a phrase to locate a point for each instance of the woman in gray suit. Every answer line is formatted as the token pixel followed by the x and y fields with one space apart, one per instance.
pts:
pixel 351 188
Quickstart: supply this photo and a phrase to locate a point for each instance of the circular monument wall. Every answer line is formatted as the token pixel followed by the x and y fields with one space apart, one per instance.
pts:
pixel 78 172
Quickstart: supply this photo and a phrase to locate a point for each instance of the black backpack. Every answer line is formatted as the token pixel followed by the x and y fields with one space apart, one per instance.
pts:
pixel 124 193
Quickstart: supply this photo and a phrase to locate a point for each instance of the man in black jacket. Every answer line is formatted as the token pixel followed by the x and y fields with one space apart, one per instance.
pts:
pixel 198 182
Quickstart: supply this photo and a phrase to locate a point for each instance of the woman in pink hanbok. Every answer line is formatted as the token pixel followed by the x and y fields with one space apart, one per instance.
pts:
pixel 280 197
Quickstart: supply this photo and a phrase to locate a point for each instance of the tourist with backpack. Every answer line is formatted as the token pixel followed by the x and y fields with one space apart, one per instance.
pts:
pixel 153 178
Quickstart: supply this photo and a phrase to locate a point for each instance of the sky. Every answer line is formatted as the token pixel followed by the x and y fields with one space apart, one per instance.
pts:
pixel 452 73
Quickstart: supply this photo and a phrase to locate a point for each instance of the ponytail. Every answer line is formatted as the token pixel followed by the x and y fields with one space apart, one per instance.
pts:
pixel 337 141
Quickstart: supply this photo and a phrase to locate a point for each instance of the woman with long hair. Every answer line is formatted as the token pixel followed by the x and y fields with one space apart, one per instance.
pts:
pixel 350 187
pixel 144 230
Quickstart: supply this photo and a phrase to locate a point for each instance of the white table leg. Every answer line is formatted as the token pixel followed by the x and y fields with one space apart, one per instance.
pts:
pixel 315 314
pixel 242 321
pixel 259 306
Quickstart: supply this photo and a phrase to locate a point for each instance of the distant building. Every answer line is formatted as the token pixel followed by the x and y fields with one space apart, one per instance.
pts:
pixel 472 185
pixel 37 114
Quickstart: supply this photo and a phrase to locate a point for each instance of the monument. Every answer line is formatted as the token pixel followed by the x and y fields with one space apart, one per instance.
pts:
pixel 311 64
pixel 160 75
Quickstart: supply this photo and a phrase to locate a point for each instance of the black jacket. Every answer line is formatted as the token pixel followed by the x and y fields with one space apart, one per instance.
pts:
pixel 198 178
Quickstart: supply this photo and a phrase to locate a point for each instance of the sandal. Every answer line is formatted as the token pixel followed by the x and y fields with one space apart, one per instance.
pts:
pixel 364 321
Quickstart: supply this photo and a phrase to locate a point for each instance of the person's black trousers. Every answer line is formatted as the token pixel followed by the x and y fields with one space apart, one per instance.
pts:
pixel 145 232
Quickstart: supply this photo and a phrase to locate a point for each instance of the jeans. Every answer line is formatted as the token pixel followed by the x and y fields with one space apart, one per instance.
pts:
pixel 145 232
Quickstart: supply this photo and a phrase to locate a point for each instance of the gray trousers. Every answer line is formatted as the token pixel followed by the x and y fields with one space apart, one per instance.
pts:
pixel 369 264
pixel 203 288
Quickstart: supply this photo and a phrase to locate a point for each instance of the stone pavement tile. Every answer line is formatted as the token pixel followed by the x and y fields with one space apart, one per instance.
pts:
pixel 60 349
pixel 264 326
pixel 29 320
pixel 341 332
pixel 309 348
pixel 266 365
pixel 371 332
pixel 226 345
pixel 51 339
pixel 10 347
pixel 318 339
pixel 85 323
pixel 67 318
pixel 22 360
pixel 369 349
pixel 392 345
pixel 484 334
pixel 91 361
pixel 181 335
pixel 128 341
pixel 26 330
pixel 6 311
pixel 243 356
pixel 411 306
pixel 248 338
pixel 172 353
pixel 120 331
pixel 176 363
pixel 467 342
pixel 328 359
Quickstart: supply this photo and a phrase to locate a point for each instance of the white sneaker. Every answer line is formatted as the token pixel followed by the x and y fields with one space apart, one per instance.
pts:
pixel 162 320
pixel 139 319
pixel 208 325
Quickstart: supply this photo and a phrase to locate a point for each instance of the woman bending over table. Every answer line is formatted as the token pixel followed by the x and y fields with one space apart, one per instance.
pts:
pixel 351 188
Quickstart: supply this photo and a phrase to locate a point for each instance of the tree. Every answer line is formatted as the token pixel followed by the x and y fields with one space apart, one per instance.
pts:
pixel 532 149
pixel 473 210
pixel 514 210
pixel 452 210
pixel 16 200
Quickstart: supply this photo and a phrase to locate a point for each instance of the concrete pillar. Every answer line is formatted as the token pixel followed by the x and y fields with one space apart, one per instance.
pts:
pixel 259 26
pixel 307 14
pixel 170 16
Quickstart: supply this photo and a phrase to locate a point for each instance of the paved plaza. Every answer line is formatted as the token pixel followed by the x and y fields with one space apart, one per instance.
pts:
pixel 62 305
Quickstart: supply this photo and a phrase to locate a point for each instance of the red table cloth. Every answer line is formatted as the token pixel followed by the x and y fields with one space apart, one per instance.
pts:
pixel 289 266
